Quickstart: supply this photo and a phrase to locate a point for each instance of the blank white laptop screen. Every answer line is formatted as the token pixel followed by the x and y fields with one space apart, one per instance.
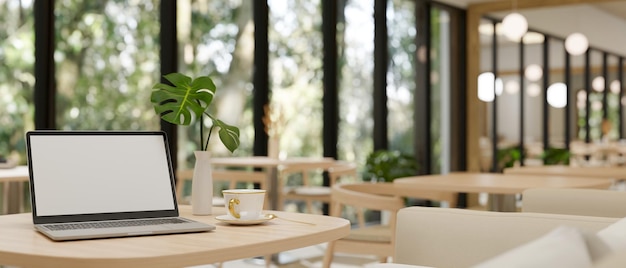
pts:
pixel 86 174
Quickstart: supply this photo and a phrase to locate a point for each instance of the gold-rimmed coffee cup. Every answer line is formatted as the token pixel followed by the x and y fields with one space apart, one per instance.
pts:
pixel 244 204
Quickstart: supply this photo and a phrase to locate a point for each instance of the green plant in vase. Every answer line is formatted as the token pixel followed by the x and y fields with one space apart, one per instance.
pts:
pixel 186 101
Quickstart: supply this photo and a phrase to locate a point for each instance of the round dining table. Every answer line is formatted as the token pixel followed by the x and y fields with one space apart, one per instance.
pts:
pixel 600 172
pixel 22 246
pixel 13 180
pixel 501 188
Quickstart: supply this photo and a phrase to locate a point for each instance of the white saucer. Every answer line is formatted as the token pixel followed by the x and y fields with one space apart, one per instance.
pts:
pixel 230 220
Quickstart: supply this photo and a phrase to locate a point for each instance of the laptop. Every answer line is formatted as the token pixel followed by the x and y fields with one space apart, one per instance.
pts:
pixel 103 184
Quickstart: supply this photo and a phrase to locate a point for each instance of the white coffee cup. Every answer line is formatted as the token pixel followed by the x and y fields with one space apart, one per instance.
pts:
pixel 244 204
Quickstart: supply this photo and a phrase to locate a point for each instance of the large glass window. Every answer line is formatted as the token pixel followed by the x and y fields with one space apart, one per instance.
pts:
pixel 356 66
pixel 16 77
pixel 216 38
pixel 401 75
pixel 440 86
pixel 295 60
pixel 107 60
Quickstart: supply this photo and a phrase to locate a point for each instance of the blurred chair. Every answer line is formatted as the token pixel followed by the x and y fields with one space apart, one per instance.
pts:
pixel 370 239
pixel 304 182
pixel 224 179
pixel 584 202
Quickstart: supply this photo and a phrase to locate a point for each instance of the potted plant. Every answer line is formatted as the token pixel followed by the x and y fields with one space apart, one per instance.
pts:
pixel 187 101
pixel 387 165
pixel 556 156
pixel 507 157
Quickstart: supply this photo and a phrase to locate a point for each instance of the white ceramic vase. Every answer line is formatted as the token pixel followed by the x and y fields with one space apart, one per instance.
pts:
pixel 202 185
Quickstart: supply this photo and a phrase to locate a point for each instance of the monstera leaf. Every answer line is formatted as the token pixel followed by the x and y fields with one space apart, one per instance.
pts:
pixel 175 104
pixel 229 135
pixel 187 100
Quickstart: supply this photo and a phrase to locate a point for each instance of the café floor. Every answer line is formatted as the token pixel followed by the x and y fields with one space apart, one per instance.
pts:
pixel 308 257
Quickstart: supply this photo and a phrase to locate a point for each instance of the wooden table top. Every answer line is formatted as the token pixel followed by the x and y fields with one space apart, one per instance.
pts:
pixel 264 161
pixel 22 246
pixel 495 183
pixel 611 172
pixel 19 173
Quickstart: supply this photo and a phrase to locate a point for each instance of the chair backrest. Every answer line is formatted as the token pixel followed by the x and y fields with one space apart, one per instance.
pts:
pixel 374 239
pixel 305 182
pixel 240 176
pixel 363 196
pixel 586 202
pixel 343 172
pixel 232 177
pixel 303 171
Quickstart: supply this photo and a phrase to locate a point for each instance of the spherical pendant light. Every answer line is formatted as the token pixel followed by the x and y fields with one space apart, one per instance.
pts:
pixel 533 72
pixel 533 90
pixel 598 84
pixel 514 26
pixel 557 95
pixel 511 87
pixel 576 44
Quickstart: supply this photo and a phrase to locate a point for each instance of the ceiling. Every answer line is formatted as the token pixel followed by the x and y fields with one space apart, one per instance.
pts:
pixel 560 21
pixel 617 8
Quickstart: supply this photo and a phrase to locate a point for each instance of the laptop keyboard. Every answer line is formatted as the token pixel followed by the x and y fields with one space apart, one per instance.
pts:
pixel 112 224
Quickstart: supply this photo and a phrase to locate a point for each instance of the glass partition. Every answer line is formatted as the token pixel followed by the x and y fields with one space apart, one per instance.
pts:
pixel 596 96
pixel 613 98
pixel 569 100
pixel 556 94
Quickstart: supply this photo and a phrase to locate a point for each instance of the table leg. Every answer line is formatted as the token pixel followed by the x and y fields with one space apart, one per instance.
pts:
pixel 502 202
pixel 5 198
pixel 12 196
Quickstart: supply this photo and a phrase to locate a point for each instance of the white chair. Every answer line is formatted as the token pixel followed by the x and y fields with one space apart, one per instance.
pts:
pixel 447 237
pixel 304 182
pixel 377 239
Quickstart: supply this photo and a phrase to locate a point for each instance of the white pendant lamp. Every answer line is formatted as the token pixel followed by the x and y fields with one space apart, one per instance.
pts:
pixel 533 90
pixel 576 44
pixel 514 26
pixel 533 72
pixel 557 95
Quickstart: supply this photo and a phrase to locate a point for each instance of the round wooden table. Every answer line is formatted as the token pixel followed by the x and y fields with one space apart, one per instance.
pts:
pixel 13 178
pixel 500 187
pixel 22 246
pixel 609 172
